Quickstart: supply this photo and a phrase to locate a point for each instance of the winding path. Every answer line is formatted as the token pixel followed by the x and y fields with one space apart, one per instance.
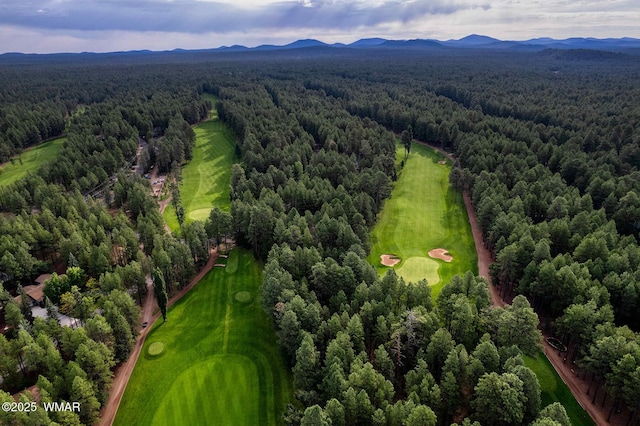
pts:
pixel 578 386
pixel 162 205
pixel 150 314
pixel 566 371
pixel 484 256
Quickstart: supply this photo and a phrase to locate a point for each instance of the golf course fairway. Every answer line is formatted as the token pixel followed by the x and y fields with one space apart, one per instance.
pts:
pixel 424 213
pixel 554 389
pixel 30 160
pixel 221 364
pixel 207 176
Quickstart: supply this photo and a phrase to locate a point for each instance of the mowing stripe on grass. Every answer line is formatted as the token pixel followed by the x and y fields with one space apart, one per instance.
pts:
pixel 210 372
pixel 424 213
pixel 227 320
pixel 206 178
pixel 213 379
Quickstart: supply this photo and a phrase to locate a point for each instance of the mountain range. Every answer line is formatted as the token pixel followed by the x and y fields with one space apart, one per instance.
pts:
pixel 474 41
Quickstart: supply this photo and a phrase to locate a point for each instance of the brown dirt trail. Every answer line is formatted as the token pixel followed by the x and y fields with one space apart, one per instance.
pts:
pixel 149 314
pixel 566 371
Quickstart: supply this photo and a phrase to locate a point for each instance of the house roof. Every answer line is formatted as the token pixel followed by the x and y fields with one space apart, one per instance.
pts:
pixel 35 291
pixel 42 278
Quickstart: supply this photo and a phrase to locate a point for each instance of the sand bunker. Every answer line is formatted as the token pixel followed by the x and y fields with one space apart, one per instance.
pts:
pixel 442 254
pixel 389 260
pixel 442 162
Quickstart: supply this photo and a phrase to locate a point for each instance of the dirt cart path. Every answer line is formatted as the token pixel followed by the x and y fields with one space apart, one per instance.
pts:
pixel 484 256
pixel 149 314
pixel 566 371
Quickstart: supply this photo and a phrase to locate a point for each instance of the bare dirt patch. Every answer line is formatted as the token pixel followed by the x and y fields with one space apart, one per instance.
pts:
pixel 440 253
pixel 442 162
pixel 389 260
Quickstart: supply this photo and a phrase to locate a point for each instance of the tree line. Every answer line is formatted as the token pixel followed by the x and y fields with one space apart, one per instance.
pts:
pixel 363 349
pixel 88 220
pixel 546 148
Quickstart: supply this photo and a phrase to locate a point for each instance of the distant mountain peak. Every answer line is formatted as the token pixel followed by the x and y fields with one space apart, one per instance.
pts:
pixel 376 41
pixel 474 39
pixel 307 42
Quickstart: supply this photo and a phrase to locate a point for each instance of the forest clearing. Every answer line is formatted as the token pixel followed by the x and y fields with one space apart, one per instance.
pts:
pixel 29 161
pixel 245 378
pixel 423 213
pixel 421 229
pixel 220 363
pixel 206 177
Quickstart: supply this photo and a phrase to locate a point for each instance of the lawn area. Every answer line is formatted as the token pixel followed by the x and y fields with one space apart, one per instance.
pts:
pixel 32 159
pixel 171 219
pixel 553 389
pixel 221 363
pixel 424 213
pixel 206 178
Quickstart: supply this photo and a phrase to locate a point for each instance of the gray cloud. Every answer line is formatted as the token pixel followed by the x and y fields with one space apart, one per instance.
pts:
pixel 46 26
pixel 192 16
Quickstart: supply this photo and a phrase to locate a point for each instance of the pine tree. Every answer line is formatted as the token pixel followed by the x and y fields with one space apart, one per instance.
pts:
pixel 160 289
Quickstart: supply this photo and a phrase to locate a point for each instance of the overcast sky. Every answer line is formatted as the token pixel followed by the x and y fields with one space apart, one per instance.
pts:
pixel 46 26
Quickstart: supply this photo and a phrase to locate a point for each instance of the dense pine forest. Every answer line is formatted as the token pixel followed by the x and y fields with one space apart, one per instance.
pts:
pixel 547 146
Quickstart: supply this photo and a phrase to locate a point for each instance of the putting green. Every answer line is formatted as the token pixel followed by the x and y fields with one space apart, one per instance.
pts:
pixel 232 265
pixel 243 297
pixel 206 178
pixel 221 363
pixel 424 213
pixel 30 160
pixel 156 348
pixel 416 268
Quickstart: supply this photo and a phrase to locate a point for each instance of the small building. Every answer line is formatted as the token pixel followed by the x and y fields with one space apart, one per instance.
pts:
pixel 35 292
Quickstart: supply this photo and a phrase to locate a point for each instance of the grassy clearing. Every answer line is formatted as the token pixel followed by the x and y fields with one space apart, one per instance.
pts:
pixel 30 160
pixel 424 213
pixel 171 219
pixel 206 178
pixel 553 389
pixel 221 363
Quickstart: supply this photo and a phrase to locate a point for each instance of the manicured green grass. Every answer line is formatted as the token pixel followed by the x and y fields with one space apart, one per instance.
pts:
pixel 171 219
pixel 553 389
pixel 221 363
pixel 416 268
pixel 226 390
pixel 30 160
pixel 207 176
pixel 424 213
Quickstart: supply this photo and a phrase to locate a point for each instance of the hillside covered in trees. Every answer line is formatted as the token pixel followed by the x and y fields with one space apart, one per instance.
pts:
pixel 547 146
